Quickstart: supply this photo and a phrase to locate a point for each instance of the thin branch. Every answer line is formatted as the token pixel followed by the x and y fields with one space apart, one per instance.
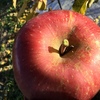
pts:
pixel 59 4
pixel 50 2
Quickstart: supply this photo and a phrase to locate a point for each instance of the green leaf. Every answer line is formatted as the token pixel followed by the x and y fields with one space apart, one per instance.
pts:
pixel 32 12
pixel 95 1
pixel 80 6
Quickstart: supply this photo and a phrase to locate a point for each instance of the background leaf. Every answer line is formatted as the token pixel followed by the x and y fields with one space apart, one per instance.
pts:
pixel 91 2
pixel 14 3
pixel 42 4
pixel 80 6
pixel 22 9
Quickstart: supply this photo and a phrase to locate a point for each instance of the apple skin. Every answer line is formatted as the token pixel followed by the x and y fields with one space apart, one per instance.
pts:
pixel 41 73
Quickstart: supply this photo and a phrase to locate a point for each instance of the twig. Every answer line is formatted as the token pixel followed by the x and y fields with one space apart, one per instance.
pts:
pixel 59 4
pixel 50 2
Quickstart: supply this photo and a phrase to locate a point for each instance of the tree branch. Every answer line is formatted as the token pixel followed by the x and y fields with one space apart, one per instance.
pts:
pixel 59 4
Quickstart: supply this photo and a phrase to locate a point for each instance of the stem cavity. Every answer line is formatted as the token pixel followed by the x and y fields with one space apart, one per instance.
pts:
pixel 66 47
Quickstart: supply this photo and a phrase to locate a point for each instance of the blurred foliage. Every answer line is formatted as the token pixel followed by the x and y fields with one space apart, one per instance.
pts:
pixel 13 14
pixel 8 27
pixel 82 5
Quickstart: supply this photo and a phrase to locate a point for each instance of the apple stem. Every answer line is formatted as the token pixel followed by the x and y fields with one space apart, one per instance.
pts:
pixel 65 47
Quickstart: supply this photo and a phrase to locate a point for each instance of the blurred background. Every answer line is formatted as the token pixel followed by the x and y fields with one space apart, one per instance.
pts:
pixel 15 13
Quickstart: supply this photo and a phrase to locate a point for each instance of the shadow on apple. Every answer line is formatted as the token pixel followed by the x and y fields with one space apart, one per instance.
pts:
pixel 61 96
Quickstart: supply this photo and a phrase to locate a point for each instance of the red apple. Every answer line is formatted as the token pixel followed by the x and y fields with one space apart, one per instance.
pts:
pixel 56 56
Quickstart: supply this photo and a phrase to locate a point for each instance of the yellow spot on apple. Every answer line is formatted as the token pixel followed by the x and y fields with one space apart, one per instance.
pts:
pixel 97 43
pixel 71 20
pixel 77 66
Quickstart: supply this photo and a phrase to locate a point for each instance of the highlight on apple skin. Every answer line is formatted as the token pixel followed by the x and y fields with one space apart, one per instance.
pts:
pixel 56 56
